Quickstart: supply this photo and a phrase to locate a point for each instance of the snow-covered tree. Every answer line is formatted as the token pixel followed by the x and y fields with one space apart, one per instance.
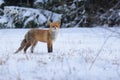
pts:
pixel 76 13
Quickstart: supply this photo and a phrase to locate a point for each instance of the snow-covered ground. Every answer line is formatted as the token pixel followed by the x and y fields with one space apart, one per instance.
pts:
pixel 74 52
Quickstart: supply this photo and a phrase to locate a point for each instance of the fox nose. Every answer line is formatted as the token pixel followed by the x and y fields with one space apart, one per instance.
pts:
pixel 55 27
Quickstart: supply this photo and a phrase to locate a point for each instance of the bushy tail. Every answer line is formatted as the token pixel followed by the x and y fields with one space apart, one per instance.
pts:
pixel 23 43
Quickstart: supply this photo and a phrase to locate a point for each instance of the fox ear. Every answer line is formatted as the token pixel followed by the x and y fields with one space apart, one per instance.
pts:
pixel 49 22
pixel 59 21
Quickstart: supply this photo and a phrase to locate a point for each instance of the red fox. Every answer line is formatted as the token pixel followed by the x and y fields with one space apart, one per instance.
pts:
pixel 34 35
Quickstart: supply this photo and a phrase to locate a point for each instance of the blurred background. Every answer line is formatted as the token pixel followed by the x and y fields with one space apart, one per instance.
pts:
pixel 72 13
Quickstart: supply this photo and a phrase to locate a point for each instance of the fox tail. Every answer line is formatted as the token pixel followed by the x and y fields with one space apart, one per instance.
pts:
pixel 23 43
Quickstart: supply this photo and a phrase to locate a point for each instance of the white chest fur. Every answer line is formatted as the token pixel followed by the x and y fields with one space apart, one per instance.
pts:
pixel 54 34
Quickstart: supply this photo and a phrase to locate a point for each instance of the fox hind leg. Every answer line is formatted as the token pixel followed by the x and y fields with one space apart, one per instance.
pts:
pixel 33 46
pixel 28 44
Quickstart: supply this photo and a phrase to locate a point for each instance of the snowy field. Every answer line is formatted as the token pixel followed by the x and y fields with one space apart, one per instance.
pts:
pixel 74 52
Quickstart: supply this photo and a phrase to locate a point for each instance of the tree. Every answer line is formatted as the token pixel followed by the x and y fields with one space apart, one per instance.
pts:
pixel 28 3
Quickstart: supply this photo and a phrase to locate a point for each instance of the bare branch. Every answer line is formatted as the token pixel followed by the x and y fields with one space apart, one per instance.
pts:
pixel 100 50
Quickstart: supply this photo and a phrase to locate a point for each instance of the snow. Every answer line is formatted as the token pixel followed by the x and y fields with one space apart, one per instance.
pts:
pixel 25 15
pixel 42 1
pixel 119 13
pixel 73 53
pixel 1 2
pixel 3 19
pixel 77 0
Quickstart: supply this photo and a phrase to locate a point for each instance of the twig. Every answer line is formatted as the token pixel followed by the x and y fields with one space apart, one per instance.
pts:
pixel 26 56
pixel 118 71
pixel 101 48
pixel 114 31
pixel 70 71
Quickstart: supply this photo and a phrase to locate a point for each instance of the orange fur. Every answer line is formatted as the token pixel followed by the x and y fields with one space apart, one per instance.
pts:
pixel 34 35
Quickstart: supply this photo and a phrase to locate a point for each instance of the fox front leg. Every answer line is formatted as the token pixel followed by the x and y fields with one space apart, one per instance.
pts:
pixel 50 47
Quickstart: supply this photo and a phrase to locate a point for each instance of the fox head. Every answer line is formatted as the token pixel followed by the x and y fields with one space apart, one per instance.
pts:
pixel 54 28
pixel 55 25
